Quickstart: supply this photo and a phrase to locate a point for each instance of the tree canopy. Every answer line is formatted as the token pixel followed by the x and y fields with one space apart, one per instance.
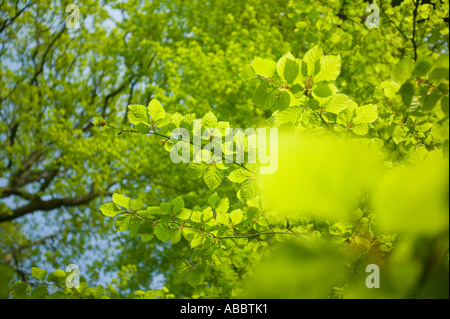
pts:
pixel 87 116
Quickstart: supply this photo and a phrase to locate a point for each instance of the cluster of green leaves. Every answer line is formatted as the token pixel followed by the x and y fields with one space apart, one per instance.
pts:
pixel 153 120
pixel 414 104
pixel 54 286
pixel 210 231
pixel 216 231
pixel 303 93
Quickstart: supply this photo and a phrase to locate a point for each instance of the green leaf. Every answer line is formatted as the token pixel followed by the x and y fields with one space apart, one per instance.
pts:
pixel 196 241
pixel 6 275
pixel 424 127
pixel 430 101
pixel 246 73
pixel 97 292
pixel 248 190
pixel 236 216
pixel 136 204
pixel 324 89
pixel 400 133
pixel 57 276
pixel 184 214
pixel 360 129
pixel 282 101
pixel 57 295
pixel 156 110
pixel 291 70
pixel 213 177
pixel 38 273
pixel 178 204
pixel 265 95
pixel 162 232
pixel 422 67
pixel 407 93
pixel 176 119
pixel 209 120
pixel 311 57
pixel 442 62
pixel 166 122
pixel 438 74
pixel 223 218
pixel 147 237
pixel 196 216
pixel 402 71
pixel 147 231
pixel 444 105
pixel 138 114
pixel 330 67
pixel 239 175
pixel 366 114
pixel 290 115
pixel 212 200
pixel 122 222
pixel 166 208
pixel 19 289
pixel 110 209
pixel 196 170
pixel 188 233
pixel 193 278
pixel 39 292
pixel 337 103
pixel 281 64
pixel 222 205
pixel 99 121
pixel 175 236
pixel 296 89
pixel 264 67
pixel 121 200
pixel 182 266
pixel 143 128
pixel 135 225
pixel 146 228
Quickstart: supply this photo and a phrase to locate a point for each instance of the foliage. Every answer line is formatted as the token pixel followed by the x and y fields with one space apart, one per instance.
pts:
pixel 363 148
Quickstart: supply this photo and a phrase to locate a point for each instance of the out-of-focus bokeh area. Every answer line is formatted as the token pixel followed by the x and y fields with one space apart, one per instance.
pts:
pixel 364 186
pixel 335 182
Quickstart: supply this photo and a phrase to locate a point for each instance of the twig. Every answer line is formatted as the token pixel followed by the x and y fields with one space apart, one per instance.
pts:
pixel 190 142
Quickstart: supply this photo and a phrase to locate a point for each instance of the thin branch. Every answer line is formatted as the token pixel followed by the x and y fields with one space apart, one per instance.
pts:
pixel 190 142
pixel 50 45
pixel 8 22
pixel 38 204
pixel 392 22
pixel 256 235
pixel 34 243
pixel 273 81
pixel 323 120
pixel 413 39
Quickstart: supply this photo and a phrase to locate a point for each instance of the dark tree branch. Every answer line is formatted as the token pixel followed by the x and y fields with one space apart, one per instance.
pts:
pixel 50 45
pixel 23 176
pixel 33 243
pixel 40 205
pixel 48 179
pixel 413 39
pixel 8 191
pixel 110 95
pixel 8 22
